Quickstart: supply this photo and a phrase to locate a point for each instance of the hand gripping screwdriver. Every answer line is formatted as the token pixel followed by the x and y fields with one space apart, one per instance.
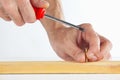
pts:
pixel 40 13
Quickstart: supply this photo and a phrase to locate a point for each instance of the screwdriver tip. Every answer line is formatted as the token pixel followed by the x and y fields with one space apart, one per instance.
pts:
pixel 81 29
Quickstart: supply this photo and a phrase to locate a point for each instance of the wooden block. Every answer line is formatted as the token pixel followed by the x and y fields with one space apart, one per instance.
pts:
pixel 59 67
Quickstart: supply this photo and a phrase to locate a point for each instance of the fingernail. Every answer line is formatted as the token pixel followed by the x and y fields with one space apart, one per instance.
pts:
pixel 44 4
pixel 92 56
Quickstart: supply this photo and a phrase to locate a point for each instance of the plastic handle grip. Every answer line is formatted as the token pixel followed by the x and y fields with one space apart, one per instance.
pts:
pixel 39 12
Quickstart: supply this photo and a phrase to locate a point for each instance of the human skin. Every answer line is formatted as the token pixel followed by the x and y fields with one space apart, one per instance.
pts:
pixel 20 11
pixel 67 42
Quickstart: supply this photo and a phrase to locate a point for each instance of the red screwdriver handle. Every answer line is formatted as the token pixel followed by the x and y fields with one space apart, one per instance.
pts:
pixel 39 12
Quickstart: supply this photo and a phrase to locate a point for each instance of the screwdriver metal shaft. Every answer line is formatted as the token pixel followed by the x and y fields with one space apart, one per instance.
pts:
pixel 61 21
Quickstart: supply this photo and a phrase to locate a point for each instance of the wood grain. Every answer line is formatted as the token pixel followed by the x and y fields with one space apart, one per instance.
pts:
pixel 59 67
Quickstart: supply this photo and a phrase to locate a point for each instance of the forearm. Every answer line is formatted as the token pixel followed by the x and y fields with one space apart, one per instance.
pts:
pixel 55 10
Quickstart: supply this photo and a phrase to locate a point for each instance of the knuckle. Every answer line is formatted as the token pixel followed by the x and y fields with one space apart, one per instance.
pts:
pixel 86 25
pixel 20 24
pixel 30 20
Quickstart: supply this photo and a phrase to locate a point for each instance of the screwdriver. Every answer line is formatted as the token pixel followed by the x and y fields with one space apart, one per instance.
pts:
pixel 40 13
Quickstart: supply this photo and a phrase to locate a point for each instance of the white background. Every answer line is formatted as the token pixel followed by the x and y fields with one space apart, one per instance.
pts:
pixel 30 42
pixel 62 77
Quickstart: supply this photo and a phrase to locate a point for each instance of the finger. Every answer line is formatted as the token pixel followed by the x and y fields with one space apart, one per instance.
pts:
pixel 26 10
pixel 106 46
pixel 66 57
pixel 40 3
pixel 92 39
pixel 11 9
pixel 76 53
pixel 3 15
pixel 82 45
pixel 107 56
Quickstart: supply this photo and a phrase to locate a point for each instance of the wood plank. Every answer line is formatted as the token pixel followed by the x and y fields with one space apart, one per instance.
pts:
pixel 60 67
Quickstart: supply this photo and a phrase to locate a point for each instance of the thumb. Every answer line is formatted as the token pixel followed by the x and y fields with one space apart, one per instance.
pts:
pixel 40 3
pixel 93 40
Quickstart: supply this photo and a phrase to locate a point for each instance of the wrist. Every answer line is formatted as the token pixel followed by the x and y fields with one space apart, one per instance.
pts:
pixel 52 29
